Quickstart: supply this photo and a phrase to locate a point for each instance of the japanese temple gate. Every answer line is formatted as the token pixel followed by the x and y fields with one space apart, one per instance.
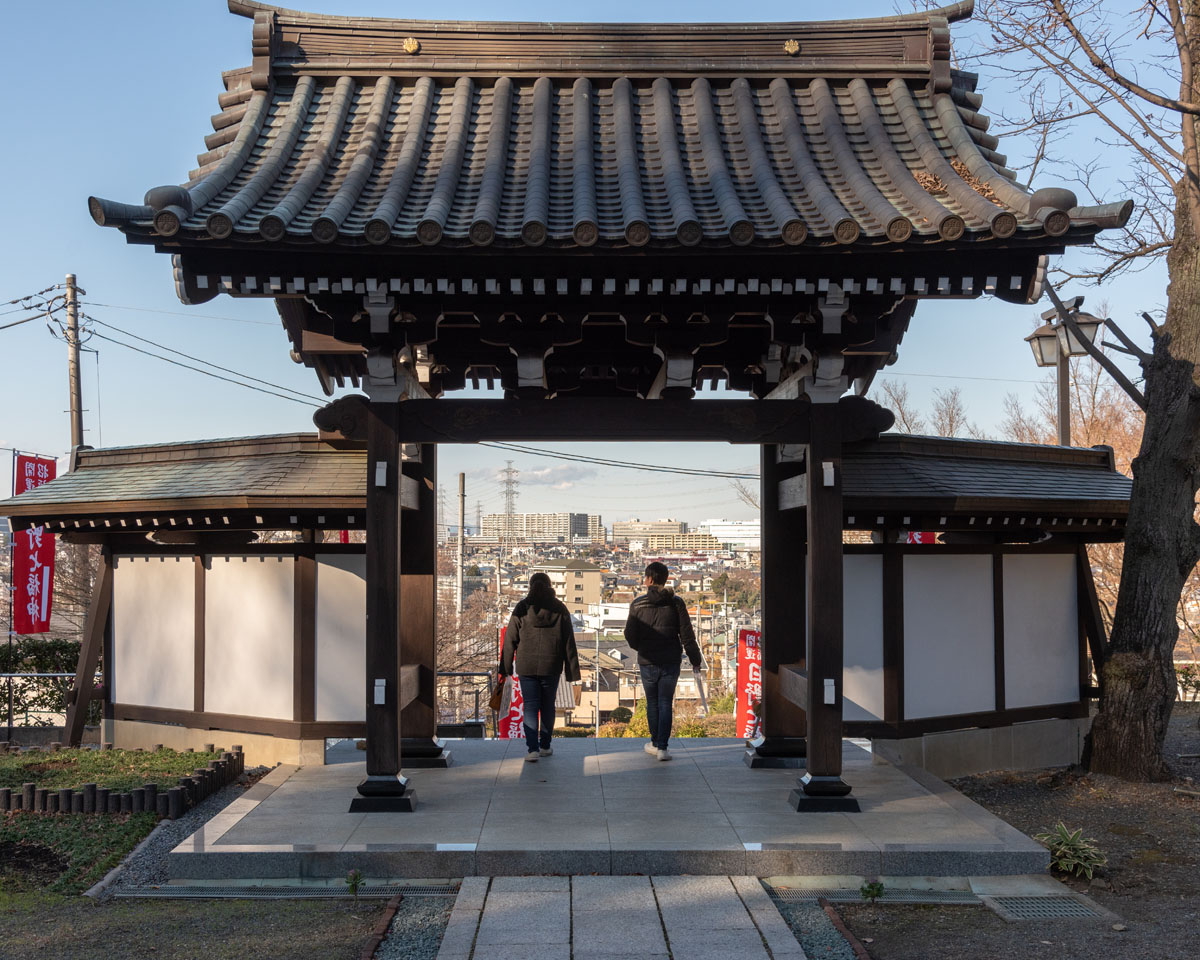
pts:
pixel 601 218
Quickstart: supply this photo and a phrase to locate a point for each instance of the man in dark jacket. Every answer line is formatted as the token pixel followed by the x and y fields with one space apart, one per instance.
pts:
pixel 660 630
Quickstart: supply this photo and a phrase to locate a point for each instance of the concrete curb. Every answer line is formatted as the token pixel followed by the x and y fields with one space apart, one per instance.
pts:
pixel 381 928
pixel 98 888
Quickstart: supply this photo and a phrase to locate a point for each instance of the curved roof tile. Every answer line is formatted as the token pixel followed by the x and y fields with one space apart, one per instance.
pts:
pixel 421 133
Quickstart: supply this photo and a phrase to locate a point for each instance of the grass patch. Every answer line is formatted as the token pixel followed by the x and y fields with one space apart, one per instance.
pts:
pixel 45 926
pixel 116 769
pixel 65 853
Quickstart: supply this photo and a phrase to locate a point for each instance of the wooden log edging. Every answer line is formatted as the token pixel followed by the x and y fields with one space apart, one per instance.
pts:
pixel 168 803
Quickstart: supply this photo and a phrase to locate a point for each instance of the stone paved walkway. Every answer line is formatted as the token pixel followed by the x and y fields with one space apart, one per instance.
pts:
pixel 616 918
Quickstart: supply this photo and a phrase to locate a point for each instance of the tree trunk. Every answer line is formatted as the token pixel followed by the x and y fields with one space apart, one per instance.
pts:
pixel 1137 679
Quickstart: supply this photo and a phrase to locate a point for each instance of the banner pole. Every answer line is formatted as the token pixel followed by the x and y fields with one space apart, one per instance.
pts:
pixel 12 597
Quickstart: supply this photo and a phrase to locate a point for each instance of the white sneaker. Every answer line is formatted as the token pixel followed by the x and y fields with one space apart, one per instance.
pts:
pixel 650 749
pixel 531 756
pixel 546 751
pixel 663 754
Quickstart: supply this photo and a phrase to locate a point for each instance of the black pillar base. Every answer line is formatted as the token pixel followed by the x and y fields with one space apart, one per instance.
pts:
pixel 424 753
pixel 823 794
pixel 774 753
pixel 801 802
pixel 384 794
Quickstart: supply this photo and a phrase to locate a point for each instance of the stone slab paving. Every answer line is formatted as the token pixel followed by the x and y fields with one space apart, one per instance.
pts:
pixel 604 807
pixel 616 918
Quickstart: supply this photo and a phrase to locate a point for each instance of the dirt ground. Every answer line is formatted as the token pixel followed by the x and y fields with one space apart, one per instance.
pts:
pixel 1150 835
pixel 39 926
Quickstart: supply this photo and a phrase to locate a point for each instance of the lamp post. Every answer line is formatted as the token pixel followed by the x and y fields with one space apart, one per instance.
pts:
pixel 1053 345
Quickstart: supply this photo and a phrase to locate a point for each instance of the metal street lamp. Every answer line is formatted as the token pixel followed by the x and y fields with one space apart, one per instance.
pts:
pixel 1053 345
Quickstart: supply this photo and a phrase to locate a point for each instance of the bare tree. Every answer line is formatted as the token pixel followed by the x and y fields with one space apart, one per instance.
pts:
pixel 748 496
pixel 894 396
pixel 949 417
pixel 1094 70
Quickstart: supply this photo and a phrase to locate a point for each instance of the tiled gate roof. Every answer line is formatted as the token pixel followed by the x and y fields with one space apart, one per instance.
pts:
pixel 370 132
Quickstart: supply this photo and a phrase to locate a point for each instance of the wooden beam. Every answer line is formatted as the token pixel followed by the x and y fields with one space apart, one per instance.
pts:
pixel 418 598
pixel 304 638
pixel 89 651
pixel 825 657
pixel 410 683
pixel 793 684
pixel 383 482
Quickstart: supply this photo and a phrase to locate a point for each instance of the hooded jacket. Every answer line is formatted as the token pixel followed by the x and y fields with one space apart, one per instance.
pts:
pixel 660 630
pixel 541 641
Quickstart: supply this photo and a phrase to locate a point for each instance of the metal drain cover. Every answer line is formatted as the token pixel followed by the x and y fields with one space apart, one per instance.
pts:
pixel 1041 908
pixel 846 895
pixel 385 891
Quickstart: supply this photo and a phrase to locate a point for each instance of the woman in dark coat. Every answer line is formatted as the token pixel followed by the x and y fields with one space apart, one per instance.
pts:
pixel 541 641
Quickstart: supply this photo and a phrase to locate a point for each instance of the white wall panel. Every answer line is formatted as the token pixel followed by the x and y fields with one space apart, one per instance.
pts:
pixel 341 667
pixel 1041 630
pixel 154 631
pixel 248 611
pixel 949 651
pixel 862 644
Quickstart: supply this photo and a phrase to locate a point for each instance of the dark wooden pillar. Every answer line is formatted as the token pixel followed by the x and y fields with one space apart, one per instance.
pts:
pixel 419 746
pixel 822 786
pixel 384 788
pixel 94 630
pixel 782 569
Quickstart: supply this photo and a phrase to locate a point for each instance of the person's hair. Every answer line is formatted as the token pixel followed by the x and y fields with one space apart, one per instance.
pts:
pixel 657 572
pixel 541 593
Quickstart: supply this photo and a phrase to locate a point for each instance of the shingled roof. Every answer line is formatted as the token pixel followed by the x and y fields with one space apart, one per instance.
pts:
pixel 815 136
pixel 288 473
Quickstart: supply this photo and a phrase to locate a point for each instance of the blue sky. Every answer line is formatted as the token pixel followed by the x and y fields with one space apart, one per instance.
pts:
pixel 112 98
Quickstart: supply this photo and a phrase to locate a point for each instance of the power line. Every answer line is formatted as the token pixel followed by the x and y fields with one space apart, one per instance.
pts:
pixel 177 313
pixel 601 461
pixel 207 363
pixel 207 373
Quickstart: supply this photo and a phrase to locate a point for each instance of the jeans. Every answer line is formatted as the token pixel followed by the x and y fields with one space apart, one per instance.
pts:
pixel 537 696
pixel 659 684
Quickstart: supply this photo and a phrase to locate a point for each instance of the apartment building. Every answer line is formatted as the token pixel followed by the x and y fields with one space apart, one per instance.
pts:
pixel 685 542
pixel 635 529
pixel 744 534
pixel 554 527
pixel 576 582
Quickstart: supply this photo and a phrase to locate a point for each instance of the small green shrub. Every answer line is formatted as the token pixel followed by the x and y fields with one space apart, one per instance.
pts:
pixel 872 890
pixel 621 715
pixel 638 725
pixel 612 729
pixel 1071 852
pixel 690 728
pixel 354 880
pixel 722 704
pixel 574 730
pixel 719 726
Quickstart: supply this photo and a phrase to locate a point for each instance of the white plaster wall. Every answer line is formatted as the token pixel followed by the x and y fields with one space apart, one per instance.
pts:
pixel 862 644
pixel 341 666
pixel 1041 630
pixel 949 665
pixel 154 631
pixel 248 611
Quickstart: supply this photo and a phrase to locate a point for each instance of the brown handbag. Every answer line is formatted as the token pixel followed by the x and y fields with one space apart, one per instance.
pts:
pixel 497 694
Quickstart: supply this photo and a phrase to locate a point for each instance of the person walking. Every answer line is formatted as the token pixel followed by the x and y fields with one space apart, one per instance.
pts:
pixel 538 643
pixel 660 630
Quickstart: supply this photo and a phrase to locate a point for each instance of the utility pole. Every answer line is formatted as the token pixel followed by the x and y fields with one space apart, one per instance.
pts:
pixel 462 536
pixel 73 362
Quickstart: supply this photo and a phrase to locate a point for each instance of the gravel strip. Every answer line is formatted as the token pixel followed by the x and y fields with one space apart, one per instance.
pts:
pixel 416 930
pixel 815 931
pixel 149 867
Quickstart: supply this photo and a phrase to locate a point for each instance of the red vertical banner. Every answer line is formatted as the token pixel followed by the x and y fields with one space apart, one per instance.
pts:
pixel 512 724
pixel 918 536
pixel 749 682
pixel 33 554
